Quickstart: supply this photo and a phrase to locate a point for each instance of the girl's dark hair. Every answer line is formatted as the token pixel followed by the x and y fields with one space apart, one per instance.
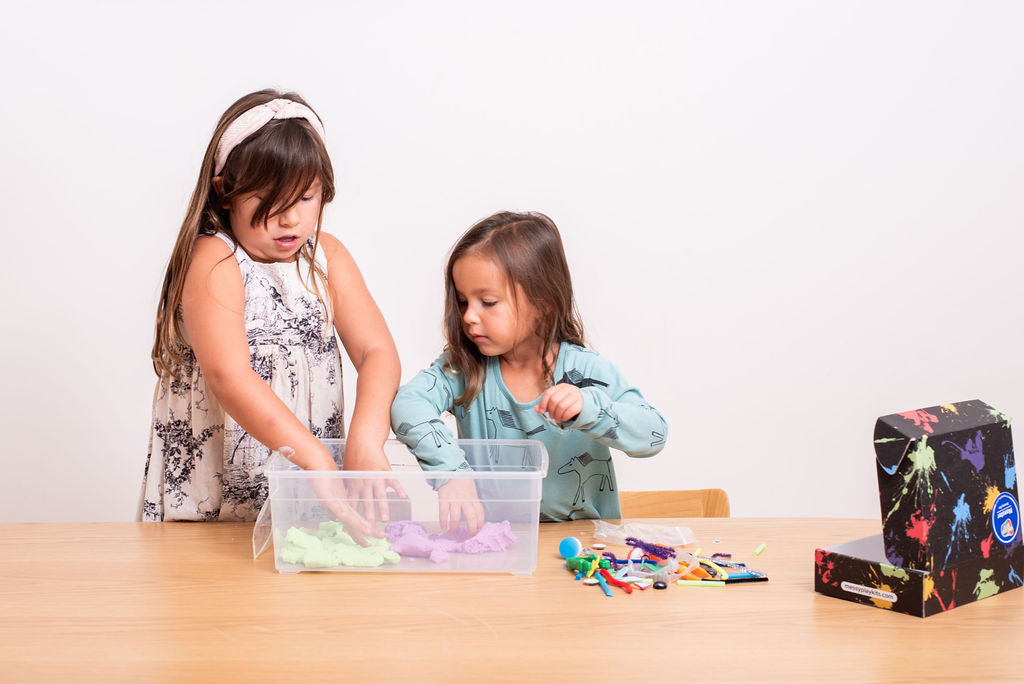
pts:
pixel 282 160
pixel 528 249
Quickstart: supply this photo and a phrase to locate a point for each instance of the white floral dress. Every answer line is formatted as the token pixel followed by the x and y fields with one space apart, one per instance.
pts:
pixel 201 464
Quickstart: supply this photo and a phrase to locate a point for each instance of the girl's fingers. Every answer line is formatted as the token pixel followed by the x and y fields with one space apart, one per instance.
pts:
pixel 555 410
pixel 560 411
pixel 549 401
pixel 380 495
pixel 567 404
pixel 475 519
pixel 443 509
pixel 365 490
pixel 542 405
pixel 397 486
pixel 354 525
pixel 333 495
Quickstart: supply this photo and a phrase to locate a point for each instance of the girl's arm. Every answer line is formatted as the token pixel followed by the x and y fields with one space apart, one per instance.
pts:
pixel 608 409
pixel 369 345
pixel 416 418
pixel 213 307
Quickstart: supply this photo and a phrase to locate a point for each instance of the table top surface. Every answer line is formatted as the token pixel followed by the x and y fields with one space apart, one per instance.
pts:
pixel 156 602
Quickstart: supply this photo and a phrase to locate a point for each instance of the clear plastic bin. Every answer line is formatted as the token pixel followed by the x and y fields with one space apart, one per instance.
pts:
pixel 508 475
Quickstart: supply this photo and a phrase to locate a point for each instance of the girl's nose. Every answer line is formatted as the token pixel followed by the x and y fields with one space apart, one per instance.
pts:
pixel 290 216
pixel 469 315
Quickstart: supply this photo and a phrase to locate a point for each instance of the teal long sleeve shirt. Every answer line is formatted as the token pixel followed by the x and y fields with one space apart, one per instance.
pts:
pixel 581 477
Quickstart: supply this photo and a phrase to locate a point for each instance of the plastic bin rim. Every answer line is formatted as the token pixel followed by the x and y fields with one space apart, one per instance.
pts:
pixel 291 471
pixel 279 466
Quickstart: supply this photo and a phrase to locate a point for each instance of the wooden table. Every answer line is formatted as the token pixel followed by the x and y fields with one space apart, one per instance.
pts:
pixel 186 602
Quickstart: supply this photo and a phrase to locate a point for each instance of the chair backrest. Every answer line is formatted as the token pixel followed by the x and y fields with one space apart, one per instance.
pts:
pixel 686 503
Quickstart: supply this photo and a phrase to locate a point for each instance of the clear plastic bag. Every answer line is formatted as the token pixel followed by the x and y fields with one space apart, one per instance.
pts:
pixel 262 531
pixel 669 535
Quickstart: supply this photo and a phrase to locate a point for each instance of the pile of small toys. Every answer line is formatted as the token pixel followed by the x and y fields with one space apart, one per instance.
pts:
pixel 653 565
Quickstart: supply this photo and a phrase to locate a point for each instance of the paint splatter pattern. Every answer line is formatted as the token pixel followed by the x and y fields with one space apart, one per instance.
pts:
pixel 940 470
pixel 917 592
pixel 936 499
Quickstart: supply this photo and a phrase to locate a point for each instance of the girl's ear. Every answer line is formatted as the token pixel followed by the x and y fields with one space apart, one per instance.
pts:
pixel 218 188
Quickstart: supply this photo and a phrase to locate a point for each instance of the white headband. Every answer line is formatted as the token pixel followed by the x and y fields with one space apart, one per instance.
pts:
pixel 255 119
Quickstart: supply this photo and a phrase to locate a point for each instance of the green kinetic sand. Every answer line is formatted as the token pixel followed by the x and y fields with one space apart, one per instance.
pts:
pixel 331 546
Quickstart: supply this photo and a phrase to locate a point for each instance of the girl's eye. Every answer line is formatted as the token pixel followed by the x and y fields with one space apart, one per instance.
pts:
pixel 489 304
pixel 308 198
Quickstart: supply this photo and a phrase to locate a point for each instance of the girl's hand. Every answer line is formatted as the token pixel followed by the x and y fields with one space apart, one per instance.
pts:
pixel 458 498
pixel 332 495
pixel 562 403
pixel 369 456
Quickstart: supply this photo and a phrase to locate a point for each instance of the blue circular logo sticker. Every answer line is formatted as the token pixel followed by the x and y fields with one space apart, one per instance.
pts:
pixel 1005 517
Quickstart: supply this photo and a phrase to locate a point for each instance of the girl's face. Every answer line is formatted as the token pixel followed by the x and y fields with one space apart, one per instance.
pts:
pixel 490 316
pixel 284 233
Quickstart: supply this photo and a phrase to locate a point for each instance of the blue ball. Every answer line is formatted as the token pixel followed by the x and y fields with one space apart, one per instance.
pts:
pixel 570 547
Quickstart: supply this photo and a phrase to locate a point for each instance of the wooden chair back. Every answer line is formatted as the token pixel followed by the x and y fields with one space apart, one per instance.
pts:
pixel 686 503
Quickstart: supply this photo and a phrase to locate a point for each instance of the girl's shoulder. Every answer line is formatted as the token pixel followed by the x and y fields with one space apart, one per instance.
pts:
pixel 339 260
pixel 568 351
pixel 441 367
pixel 341 266
pixel 332 247
pixel 213 272
pixel 212 251
pixel 575 361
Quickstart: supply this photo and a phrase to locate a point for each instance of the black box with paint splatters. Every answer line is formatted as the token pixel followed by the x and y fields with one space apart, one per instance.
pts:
pixel 950 515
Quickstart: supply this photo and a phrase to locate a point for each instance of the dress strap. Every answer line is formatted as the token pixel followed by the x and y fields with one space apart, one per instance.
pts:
pixel 240 255
pixel 246 263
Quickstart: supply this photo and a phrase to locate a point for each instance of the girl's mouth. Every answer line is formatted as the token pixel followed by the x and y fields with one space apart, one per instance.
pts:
pixel 287 242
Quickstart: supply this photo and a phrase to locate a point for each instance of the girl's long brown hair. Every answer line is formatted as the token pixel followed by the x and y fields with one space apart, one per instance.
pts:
pixel 281 160
pixel 528 249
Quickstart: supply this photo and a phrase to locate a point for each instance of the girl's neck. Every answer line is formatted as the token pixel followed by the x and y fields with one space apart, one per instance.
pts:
pixel 523 373
pixel 524 357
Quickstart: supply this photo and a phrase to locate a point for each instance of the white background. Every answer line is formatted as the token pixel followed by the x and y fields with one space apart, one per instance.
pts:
pixel 784 219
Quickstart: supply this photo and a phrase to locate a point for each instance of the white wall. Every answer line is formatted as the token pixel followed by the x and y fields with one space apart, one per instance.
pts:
pixel 784 218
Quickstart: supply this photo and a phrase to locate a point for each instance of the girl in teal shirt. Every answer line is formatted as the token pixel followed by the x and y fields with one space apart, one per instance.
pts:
pixel 515 367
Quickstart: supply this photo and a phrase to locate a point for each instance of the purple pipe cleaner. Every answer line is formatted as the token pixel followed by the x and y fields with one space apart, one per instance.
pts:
pixel 655 550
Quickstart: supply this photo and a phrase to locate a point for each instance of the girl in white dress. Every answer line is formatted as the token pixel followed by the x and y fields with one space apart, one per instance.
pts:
pixel 245 347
